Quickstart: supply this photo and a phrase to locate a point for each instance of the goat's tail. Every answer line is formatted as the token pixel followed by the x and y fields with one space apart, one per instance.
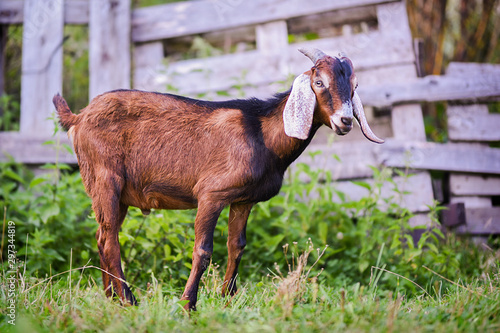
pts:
pixel 66 117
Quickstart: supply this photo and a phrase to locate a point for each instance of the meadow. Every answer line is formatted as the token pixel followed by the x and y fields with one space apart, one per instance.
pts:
pixel 315 262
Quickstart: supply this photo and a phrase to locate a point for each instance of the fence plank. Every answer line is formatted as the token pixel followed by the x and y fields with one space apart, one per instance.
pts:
pixel 417 187
pixel 3 43
pixel 408 123
pixel 28 148
pixel 465 69
pixel 472 123
pixel 435 156
pixel 11 11
pixel 75 11
pixel 272 37
pixel 481 221
pixel 463 184
pixel 109 46
pixel 189 18
pixel 472 201
pixel 416 155
pixel 148 57
pixel 41 63
pixel 432 89
pixel 367 51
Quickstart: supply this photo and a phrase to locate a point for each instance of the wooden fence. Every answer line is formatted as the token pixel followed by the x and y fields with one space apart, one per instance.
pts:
pixel 373 33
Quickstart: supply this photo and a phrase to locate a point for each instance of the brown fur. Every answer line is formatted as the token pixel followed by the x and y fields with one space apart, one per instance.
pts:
pixel 159 151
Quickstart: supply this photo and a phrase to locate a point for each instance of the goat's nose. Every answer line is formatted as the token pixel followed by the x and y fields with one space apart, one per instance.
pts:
pixel 346 121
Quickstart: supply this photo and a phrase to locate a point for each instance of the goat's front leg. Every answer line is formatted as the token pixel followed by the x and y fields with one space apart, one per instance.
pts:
pixel 236 242
pixel 204 226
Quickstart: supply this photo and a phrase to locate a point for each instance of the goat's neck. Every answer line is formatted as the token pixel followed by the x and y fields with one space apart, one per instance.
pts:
pixel 276 140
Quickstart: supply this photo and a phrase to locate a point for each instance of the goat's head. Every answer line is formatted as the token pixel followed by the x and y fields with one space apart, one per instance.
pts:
pixel 330 89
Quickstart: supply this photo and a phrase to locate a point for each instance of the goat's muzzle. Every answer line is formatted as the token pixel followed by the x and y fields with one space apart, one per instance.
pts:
pixel 341 120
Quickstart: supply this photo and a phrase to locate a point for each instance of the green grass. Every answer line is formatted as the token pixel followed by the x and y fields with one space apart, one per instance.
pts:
pixel 288 302
pixel 373 277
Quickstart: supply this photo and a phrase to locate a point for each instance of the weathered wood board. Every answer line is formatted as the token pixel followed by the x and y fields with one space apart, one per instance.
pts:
pixel 393 153
pixel 465 69
pixel 472 201
pixel 417 188
pixel 481 221
pixel 109 46
pixel 188 18
pixel 408 123
pixel 75 11
pixel 433 89
pixel 415 192
pixel 31 150
pixel 436 156
pixel 472 123
pixel 41 64
pixel 464 184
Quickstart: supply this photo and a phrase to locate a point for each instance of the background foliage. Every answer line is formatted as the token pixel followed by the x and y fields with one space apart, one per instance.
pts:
pixel 54 210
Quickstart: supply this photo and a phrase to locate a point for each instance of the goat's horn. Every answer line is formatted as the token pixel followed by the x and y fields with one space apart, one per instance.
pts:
pixel 359 114
pixel 313 54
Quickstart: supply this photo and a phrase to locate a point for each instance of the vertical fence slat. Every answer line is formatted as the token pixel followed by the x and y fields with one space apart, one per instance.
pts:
pixel 272 37
pixel 3 43
pixel 148 58
pixel 109 45
pixel 41 63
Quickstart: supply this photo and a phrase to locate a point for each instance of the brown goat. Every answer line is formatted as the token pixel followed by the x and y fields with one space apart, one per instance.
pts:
pixel 161 151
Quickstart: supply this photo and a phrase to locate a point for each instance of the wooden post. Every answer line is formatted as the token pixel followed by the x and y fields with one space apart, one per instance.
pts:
pixel 148 57
pixel 41 64
pixel 3 43
pixel 272 38
pixel 109 45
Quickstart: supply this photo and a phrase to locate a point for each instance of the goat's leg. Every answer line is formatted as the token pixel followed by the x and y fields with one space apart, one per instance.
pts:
pixel 110 214
pixel 106 281
pixel 236 241
pixel 109 251
pixel 204 226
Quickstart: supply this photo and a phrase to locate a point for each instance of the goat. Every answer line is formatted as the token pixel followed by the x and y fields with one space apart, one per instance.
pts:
pixel 162 151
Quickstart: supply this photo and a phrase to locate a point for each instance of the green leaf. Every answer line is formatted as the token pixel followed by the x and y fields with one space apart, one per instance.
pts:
pixel 14 176
pixel 68 148
pixel 36 181
pixel 362 184
pixel 323 231
pixel 363 265
pixel 48 210
pixel 273 242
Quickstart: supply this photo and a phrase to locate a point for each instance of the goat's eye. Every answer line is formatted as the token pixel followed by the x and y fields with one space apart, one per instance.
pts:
pixel 318 84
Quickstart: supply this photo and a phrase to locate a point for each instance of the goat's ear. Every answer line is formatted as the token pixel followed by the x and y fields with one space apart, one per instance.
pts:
pixel 299 108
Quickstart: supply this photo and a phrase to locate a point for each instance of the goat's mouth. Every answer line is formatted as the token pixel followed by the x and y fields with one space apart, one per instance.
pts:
pixel 341 130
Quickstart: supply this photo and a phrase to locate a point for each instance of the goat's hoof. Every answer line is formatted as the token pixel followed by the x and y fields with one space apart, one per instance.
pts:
pixel 129 297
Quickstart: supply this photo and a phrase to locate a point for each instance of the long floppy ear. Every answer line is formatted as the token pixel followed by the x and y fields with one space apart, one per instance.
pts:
pixel 299 108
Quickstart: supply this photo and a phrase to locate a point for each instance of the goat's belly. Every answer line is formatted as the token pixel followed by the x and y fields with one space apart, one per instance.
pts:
pixel 162 201
pixel 159 196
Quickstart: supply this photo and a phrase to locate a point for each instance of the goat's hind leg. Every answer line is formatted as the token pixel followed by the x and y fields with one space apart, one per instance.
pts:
pixel 236 241
pixel 110 213
pixel 106 281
